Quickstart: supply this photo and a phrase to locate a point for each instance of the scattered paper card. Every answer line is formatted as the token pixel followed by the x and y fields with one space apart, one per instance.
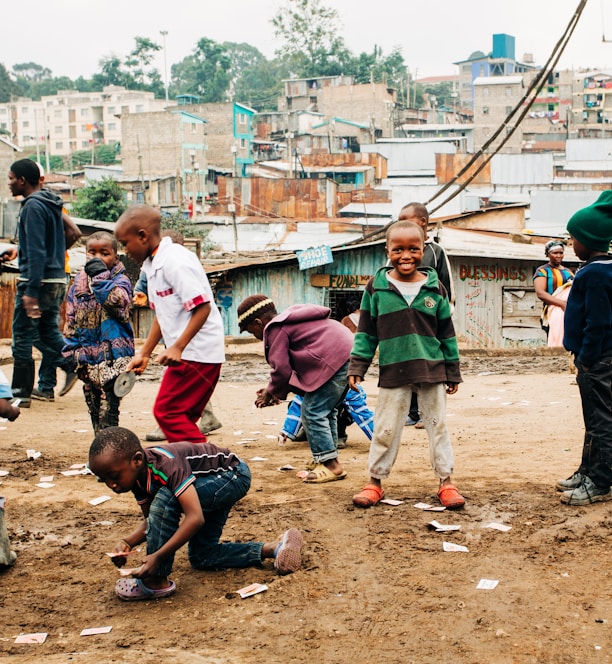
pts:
pixel 253 589
pixel 270 423
pixel 39 637
pixel 45 485
pixel 128 571
pixel 271 436
pixel 76 466
pixel 4 473
pixel 429 508
pixel 123 554
pixel 391 501
pixel 449 546
pixel 258 459
pixel 82 430
pixel 498 526
pixel 96 630
pixel 441 528
pixel 70 473
pixel 33 454
pixel 487 584
pixel 99 500
pixel 46 478
pixel 237 433
pixel 287 466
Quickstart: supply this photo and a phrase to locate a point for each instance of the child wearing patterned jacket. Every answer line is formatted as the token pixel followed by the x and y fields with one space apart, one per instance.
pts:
pixel 98 335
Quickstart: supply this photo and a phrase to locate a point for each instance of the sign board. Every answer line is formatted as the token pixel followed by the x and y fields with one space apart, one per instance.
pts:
pixel 314 256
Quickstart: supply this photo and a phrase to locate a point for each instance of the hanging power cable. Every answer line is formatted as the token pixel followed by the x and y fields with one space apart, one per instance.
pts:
pixel 525 104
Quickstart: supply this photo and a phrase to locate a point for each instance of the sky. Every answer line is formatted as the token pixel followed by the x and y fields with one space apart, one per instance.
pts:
pixel 70 37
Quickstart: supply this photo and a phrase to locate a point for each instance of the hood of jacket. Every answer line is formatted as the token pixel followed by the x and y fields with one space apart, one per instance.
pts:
pixel 47 198
pixel 301 313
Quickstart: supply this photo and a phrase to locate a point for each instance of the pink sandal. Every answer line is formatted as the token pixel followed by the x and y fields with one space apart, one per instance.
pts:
pixel 450 497
pixel 369 496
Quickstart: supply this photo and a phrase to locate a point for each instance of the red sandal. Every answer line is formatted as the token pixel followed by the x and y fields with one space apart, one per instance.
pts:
pixel 450 497
pixel 369 496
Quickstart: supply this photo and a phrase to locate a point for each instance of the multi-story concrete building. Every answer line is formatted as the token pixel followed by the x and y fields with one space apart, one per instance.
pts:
pixel 73 120
pixel 501 61
pixel 592 107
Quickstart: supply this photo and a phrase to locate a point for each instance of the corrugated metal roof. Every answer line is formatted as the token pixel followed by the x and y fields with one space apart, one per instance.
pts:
pixel 522 169
pixel 588 149
pixel 411 156
pixel 551 210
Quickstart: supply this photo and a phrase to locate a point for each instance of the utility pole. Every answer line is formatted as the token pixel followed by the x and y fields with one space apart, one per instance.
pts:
pixel 164 33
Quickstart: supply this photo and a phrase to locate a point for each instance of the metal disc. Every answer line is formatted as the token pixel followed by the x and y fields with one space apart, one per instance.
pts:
pixel 124 383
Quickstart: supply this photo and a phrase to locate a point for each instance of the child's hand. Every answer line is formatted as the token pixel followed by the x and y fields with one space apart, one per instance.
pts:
pixel 169 357
pixel 13 413
pixel 140 299
pixel 451 388
pixel 264 398
pixel 353 381
pixel 138 364
pixel 148 568
pixel 122 547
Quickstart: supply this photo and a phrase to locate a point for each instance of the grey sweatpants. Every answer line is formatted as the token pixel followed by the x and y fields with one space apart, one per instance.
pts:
pixel 389 418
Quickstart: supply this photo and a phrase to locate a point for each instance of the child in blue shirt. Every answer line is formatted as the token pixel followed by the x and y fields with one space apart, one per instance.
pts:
pixel 588 336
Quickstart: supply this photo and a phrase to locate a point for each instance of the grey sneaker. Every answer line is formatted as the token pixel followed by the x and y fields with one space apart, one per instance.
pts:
pixel 570 483
pixel 69 383
pixel 586 494
pixel 40 395
pixel 156 436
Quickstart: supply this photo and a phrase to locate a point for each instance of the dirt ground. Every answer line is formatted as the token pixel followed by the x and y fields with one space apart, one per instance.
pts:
pixel 376 584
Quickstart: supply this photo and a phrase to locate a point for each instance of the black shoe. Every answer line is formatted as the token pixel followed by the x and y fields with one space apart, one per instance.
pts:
pixel 69 383
pixel 40 395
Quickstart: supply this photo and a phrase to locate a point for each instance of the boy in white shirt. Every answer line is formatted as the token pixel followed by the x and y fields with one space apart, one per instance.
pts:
pixel 187 318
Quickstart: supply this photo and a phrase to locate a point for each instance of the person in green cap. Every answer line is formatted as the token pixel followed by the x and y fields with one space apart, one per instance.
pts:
pixel 588 336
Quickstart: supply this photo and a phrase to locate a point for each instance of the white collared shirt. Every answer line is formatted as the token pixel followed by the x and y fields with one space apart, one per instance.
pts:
pixel 176 284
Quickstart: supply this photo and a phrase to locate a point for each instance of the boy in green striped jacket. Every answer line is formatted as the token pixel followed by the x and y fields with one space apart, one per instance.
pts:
pixel 405 313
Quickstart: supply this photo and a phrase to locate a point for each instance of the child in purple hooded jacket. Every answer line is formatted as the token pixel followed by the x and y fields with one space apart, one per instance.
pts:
pixel 308 353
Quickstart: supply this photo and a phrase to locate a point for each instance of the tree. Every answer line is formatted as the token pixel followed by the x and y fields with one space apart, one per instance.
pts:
pixel 176 221
pixel 34 80
pixel 310 42
pixel 8 87
pixel 206 72
pixel 103 201
pixel 256 81
pixel 134 72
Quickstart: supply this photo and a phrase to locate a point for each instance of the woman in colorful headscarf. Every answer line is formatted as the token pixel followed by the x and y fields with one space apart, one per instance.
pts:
pixel 551 277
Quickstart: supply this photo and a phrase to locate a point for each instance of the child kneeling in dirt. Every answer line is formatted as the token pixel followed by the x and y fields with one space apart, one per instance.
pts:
pixel 197 480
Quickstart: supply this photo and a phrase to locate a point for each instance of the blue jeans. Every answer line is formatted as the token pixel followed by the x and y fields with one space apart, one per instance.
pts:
pixel 320 416
pixel 595 390
pixel 43 332
pixel 217 494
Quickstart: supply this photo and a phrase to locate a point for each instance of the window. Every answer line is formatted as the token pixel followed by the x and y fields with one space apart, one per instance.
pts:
pixel 111 110
pixel 508 91
pixel 59 129
pixel 194 127
pixel 111 126
pixel 84 127
pixel 139 108
pixel 242 118
pixel 485 92
pixel 2 125
pixel 485 110
pixel 59 146
pixel 24 109
pixel 84 144
pixel 508 110
pixel 57 113
pixel 2 111
pixel 243 143
pixel 25 124
pixel 84 112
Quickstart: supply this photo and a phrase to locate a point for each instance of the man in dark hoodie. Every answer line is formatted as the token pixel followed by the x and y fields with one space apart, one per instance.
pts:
pixel 42 283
